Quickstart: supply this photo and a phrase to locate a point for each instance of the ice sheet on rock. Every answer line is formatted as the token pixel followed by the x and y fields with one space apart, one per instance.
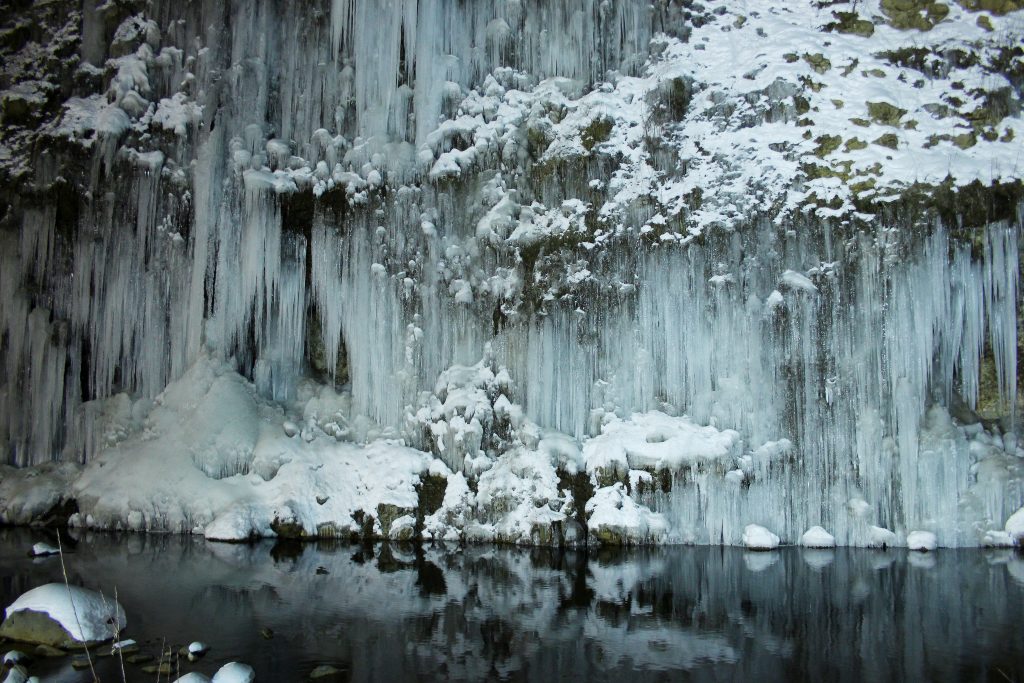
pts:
pixel 921 540
pixel 86 615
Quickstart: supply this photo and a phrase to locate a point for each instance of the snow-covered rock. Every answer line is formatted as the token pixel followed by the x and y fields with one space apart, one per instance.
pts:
pixel 1015 526
pixel 234 672
pixel 614 518
pixel 817 537
pixel 192 677
pixel 62 616
pixel 756 537
pixel 921 540
pixel 43 549
pixel 881 537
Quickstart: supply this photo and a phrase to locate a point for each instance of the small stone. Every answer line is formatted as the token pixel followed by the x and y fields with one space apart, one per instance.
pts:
pixel 324 671
pixel 49 651
pixel 267 633
pixel 139 658
pixel 81 662
pixel 322 570
pixel 164 669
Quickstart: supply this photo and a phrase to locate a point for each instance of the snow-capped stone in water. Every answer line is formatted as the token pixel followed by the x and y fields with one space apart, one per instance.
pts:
pixel 17 674
pixel 63 616
pixel 997 539
pixel 44 549
pixel 881 537
pixel 817 537
pixel 124 647
pixel 290 428
pixel 234 672
pixel 198 648
pixel 193 677
pixel 921 540
pixel 15 657
pixel 756 537
pixel 1015 526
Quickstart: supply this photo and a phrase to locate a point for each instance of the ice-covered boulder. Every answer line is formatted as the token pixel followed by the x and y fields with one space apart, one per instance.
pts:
pixel 1015 526
pixel 881 537
pixel 62 616
pixel 235 672
pixel 817 537
pixel 921 540
pixel 756 537
pixel 43 549
pixel 193 677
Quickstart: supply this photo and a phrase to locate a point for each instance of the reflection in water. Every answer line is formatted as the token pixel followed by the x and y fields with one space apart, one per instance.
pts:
pixel 395 612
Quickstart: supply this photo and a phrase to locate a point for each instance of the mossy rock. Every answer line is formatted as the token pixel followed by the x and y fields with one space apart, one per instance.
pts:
pixel 287 528
pixel 596 132
pixel 387 513
pixel 850 22
pixel 888 140
pixel 997 7
pixel 914 14
pixel 838 104
pixel 791 57
pixel 854 144
pixel 885 113
pixel 965 140
pixel 863 123
pixel 827 144
pixel 985 23
pixel 819 62
pixel 29 626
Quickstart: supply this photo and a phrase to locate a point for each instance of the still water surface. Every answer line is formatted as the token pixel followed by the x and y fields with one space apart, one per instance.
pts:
pixel 490 613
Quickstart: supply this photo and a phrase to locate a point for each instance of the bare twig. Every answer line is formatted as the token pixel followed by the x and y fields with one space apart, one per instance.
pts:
pixel 67 585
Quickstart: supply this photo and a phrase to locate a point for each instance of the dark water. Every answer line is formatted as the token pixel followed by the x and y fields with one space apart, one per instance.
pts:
pixel 479 613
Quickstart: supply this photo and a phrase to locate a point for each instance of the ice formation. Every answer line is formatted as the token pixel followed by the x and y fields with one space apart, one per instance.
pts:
pixel 616 272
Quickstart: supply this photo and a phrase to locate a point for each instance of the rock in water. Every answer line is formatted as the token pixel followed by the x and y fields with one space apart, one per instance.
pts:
pixel 235 672
pixel 756 537
pixel 921 540
pixel 44 549
pixel 63 616
pixel 192 677
pixel 817 537
pixel 324 671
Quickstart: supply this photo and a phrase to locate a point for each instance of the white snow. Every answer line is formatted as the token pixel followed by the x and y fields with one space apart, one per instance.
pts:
pixel 42 549
pixel 880 536
pixel 756 537
pixel 1015 526
pixel 817 537
pixel 921 540
pixel 197 648
pixel 234 672
pixel 85 614
pixel 193 677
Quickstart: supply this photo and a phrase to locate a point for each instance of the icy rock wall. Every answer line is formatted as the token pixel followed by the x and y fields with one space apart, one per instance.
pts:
pixel 399 186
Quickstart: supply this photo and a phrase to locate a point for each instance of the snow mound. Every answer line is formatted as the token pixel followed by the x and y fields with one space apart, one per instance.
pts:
pixel 235 672
pixel 86 615
pixel 193 677
pixel 656 440
pixel 921 540
pixel 42 549
pixel 817 537
pixel 881 537
pixel 617 519
pixel 1015 526
pixel 756 537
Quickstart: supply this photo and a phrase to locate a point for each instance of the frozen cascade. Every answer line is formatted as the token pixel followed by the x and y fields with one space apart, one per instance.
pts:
pixel 368 197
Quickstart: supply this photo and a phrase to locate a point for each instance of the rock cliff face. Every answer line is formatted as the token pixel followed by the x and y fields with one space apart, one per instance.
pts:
pixel 627 271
